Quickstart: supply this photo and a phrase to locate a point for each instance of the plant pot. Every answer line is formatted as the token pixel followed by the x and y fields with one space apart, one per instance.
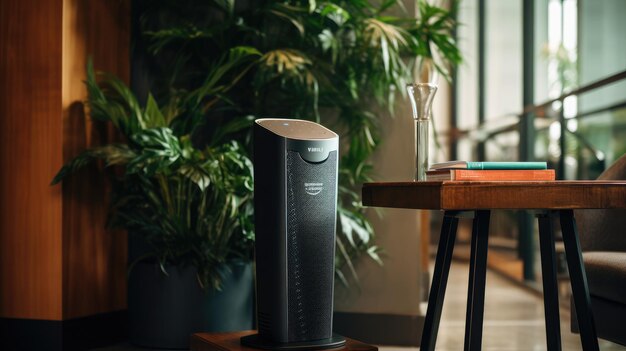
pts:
pixel 165 310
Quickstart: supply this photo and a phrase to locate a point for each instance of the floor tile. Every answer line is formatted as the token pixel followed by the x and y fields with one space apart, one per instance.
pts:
pixel 513 319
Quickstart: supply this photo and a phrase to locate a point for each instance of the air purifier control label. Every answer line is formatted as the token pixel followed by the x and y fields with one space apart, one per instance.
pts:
pixel 313 188
pixel 313 150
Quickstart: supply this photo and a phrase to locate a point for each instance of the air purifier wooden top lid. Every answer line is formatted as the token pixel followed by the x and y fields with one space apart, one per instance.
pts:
pixel 296 129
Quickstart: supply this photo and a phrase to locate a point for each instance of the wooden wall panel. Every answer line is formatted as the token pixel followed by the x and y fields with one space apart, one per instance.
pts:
pixel 57 261
pixel 94 259
pixel 30 154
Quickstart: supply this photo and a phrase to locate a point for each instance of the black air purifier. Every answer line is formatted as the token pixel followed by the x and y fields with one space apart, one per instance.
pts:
pixel 295 194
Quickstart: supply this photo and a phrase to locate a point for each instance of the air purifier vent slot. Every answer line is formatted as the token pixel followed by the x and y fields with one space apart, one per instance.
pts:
pixel 311 220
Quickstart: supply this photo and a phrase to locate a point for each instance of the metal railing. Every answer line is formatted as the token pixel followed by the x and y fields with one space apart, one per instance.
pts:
pixel 544 110
pixel 549 110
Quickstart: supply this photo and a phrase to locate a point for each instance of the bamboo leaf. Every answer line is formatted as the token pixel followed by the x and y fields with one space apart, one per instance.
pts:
pixel 386 4
pixel 348 260
pixel 153 116
pixel 372 252
pixel 235 125
pixel 295 22
pixel 335 13
pixel 346 227
pixel 342 277
pixel 112 154
pixel 227 5
pixel 127 98
pixel 385 50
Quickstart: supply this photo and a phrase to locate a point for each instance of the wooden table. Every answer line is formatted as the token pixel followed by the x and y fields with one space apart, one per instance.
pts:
pixel 230 342
pixel 555 199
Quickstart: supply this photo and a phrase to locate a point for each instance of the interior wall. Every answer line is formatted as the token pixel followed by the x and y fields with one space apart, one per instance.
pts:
pixel 393 288
pixel 399 286
pixel 30 154
pixel 94 258
pixel 396 287
pixel 56 260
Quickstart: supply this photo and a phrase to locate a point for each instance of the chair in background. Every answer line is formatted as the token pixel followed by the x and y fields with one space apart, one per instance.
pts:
pixel 603 241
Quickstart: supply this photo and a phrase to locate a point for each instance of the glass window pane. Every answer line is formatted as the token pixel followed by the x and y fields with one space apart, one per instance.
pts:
pixel 602 52
pixel 467 75
pixel 503 73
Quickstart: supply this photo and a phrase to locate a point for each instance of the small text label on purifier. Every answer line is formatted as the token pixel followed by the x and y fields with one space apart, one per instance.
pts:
pixel 316 149
pixel 313 188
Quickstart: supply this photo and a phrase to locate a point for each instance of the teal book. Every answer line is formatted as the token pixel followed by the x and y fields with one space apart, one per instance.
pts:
pixel 488 165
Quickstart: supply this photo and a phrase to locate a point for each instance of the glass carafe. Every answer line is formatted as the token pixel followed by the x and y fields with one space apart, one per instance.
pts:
pixel 421 95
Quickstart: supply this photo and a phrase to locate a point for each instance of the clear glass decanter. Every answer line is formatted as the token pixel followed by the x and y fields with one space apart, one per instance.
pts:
pixel 421 95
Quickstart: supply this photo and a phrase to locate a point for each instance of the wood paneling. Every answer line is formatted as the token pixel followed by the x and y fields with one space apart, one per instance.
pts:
pixel 94 259
pixel 30 155
pixel 57 261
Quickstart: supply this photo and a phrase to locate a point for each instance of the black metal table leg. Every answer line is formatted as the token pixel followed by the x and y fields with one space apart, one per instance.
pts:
pixel 477 276
pixel 550 286
pixel 578 278
pixel 440 280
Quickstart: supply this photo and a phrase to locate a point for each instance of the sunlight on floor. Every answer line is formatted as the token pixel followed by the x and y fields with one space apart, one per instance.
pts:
pixel 513 320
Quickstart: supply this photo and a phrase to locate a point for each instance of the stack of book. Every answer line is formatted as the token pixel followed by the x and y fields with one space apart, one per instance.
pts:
pixel 490 171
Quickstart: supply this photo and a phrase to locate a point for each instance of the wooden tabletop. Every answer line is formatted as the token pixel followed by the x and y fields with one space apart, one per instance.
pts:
pixel 230 342
pixel 453 195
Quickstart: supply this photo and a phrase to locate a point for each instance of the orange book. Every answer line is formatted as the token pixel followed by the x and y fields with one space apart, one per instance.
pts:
pixel 491 175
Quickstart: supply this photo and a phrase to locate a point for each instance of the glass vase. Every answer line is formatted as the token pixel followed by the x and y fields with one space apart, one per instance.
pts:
pixel 421 96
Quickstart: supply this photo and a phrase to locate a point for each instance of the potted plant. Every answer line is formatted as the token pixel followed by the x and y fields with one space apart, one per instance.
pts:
pixel 328 61
pixel 188 206
pixel 214 66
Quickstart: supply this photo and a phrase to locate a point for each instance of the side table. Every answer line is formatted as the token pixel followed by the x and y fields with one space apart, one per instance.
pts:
pixel 555 199
pixel 230 342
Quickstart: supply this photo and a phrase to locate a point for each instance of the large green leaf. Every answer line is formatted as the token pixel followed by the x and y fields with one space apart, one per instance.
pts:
pixel 160 149
pixel 213 82
pixel 197 174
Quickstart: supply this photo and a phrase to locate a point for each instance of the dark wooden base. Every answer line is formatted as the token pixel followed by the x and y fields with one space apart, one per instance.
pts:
pixel 231 342
pixel 255 341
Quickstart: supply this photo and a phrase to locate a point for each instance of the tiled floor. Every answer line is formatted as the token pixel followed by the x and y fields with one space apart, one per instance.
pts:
pixel 513 318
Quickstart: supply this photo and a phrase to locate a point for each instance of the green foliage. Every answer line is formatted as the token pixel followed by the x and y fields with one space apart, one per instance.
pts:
pixel 185 181
pixel 432 35
pixel 191 205
pixel 328 61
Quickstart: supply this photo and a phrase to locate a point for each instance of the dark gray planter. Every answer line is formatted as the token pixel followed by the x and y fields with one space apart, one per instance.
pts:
pixel 165 310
